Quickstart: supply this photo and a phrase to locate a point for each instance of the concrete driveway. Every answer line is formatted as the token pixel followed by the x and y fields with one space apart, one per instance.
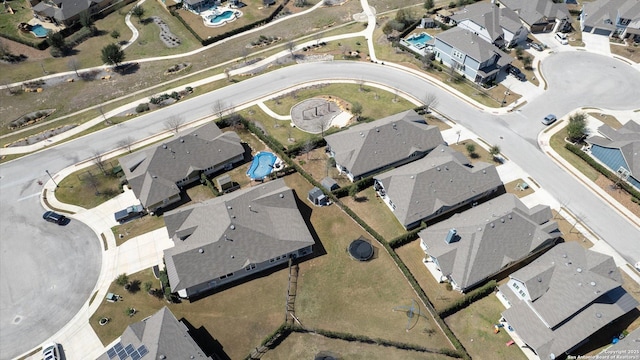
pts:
pixel 596 43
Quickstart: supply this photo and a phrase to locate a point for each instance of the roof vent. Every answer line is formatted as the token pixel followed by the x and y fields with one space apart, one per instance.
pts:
pixel 232 227
pixel 164 146
pixel 579 270
pixel 502 220
pixel 219 150
pixel 564 256
pixel 493 225
pixel 281 196
pixel 233 257
pixel 411 177
pixel 181 140
pixel 593 283
pixel 539 279
pixel 438 168
pixel 162 357
pixel 377 130
pixel 229 207
pixel 598 315
pixel 484 171
pixel 201 251
pixel 509 216
pixel 442 150
pixel 451 235
pixel 446 168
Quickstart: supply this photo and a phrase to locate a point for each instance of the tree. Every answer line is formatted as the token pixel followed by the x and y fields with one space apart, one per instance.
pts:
pixel 526 61
pixel 356 109
pixel 138 11
pixel 430 101
pixel 428 4
pixel 307 147
pixel 227 73
pixel 471 149
pixel 112 55
pixel 126 143
pixel 218 108
pixel 85 19
pixel 577 128
pixel 115 34
pixel 291 46
pixel 360 85
pixel 322 124
pixel 58 44
pixel 317 36
pixel 74 64
pixel 353 191
pixel 147 286
pixel 387 29
pixel 174 123
pixel 494 151
pixel 99 161
pixel 122 279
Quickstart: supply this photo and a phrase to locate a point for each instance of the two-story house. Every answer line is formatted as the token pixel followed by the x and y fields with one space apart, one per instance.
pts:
pixel 498 26
pixel 540 15
pixel 619 18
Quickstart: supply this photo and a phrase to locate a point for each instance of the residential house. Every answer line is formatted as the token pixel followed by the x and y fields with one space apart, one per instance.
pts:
pixel 493 24
pixel 469 55
pixel 369 148
pixel 619 150
pixel 66 12
pixel 540 15
pixel 620 18
pixel 234 236
pixel 159 336
pixel 157 174
pixel 562 298
pixel 476 244
pixel 437 184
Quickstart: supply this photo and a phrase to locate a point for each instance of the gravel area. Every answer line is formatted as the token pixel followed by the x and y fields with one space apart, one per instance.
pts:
pixel 168 38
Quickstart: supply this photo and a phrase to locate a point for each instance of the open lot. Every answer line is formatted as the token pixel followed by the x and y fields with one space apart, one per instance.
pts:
pixel 307 346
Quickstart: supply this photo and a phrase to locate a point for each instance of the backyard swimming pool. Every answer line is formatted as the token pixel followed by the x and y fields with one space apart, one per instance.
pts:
pixel 39 31
pixel 218 17
pixel 262 165
pixel 419 41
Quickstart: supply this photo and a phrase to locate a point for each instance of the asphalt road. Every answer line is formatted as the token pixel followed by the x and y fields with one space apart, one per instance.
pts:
pixel 575 79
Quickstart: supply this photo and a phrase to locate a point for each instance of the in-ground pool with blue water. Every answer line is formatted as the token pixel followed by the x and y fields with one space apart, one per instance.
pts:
pixel 39 31
pixel 418 40
pixel 262 165
pixel 215 20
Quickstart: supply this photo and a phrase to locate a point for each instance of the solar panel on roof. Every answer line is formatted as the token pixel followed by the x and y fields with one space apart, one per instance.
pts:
pixel 143 350
pixel 122 354
pixel 129 349
pixel 112 353
pixel 135 355
pixel 118 347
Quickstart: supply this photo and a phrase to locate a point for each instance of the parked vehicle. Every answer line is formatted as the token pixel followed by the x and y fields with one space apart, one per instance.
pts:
pixel 537 46
pixel 549 119
pixel 562 38
pixel 129 213
pixel 54 217
pixel 51 351
pixel 517 73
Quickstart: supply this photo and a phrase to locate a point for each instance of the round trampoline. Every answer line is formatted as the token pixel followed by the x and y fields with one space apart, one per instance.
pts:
pixel 361 250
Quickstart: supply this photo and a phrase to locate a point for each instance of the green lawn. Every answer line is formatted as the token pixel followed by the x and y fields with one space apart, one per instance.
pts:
pixel 557 143
pixel 473 326
pixel 338 293
pixel 376 103
pixel 136 227
pixel 480 154
pixel 281 130
pixel 89 187
pixel 307 346
pixel 370 208
pixel 9 22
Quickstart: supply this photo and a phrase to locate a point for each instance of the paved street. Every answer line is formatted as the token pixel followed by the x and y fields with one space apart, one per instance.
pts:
pixel 575 79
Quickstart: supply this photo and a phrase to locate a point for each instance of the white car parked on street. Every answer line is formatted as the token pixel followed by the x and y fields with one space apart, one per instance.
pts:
pixel 562 38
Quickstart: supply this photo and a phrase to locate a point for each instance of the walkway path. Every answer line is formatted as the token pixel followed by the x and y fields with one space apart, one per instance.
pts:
pixel 134 36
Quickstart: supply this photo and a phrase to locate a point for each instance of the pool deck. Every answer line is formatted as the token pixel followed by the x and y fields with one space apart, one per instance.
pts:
pixel 47 25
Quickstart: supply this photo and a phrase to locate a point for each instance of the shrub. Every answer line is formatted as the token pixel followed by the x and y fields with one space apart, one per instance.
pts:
pixel 142 107
pixel 468 299
pixel 122 279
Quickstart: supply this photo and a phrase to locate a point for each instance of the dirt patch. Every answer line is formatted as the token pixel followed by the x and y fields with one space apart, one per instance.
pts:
pixel 620 195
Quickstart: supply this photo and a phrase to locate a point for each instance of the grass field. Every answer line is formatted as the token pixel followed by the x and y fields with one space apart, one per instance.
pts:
pixel 338 293
pixel 136 227
pixel 307 346
pixel 480 153
pixel 557 143
pixel 89 187
pixel 473 326
pixel 370 208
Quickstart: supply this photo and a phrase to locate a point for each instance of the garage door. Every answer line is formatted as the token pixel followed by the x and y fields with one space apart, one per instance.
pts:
pixel 604 32
pixel 587 29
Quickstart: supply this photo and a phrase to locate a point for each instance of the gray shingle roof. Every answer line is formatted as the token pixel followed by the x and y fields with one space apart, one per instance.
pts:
pixel 161 334
pixel 367 147
pixel 248 226
pixel 440 180
pixel 154 172
pixel 490 236
pixel 627 139
pixel 604 13
pixel 65 8
pixel 536 11
pixel 491 17
pixel 627 346
pixel 472 45
pixel 575 291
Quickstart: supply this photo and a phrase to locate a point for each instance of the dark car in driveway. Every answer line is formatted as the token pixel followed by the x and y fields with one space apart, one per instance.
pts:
pixel 537 46
pixel 517 73
pixel 54 217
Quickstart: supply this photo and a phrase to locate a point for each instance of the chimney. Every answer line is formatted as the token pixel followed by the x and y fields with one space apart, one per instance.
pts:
pixel 451 236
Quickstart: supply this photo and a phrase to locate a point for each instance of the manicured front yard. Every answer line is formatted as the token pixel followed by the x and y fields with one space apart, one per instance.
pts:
pixel 136 227
pixel 89 187
pixel 338 293
pixel 473 326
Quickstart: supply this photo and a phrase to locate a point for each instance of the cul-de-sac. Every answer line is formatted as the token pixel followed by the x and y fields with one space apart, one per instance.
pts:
pixel 319 179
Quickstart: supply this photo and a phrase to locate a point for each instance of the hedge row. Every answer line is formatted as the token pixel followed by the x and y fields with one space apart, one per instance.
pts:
pixel 407 237
pixel 358 185
pixel 298 148
pixel 205 180
pixel 212 39
pixel 604 171
pixel 367 340
pixel 468 299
